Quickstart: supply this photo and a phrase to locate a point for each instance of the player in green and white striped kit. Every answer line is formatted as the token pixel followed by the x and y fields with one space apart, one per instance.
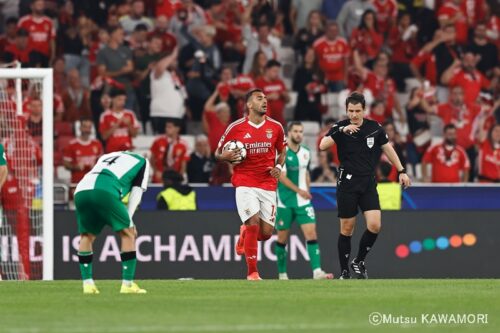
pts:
pixel 98 203
pixel 294 203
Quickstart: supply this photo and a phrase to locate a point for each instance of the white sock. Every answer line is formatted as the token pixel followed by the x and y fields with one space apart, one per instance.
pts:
pixel 88 281
pixel 128 283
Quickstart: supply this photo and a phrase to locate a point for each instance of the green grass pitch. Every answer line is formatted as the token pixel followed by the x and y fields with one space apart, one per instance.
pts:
pixel 241 306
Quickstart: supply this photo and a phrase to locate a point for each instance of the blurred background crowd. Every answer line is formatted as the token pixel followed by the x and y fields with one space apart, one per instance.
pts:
pixel 166 77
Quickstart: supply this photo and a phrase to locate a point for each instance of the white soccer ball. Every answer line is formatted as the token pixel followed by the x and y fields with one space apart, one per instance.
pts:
pixel 235 144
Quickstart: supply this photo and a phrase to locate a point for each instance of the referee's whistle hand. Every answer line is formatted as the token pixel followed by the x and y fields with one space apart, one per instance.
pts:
pixel 351 129
pixel 404 180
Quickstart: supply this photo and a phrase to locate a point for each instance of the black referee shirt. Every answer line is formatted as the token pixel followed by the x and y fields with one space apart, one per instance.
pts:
pixel 359 153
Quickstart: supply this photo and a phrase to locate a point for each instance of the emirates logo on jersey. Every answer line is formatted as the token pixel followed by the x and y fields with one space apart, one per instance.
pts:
pixel 269 133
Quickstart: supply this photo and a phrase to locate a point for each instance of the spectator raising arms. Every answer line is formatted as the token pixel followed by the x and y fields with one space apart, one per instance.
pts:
pixel 167 93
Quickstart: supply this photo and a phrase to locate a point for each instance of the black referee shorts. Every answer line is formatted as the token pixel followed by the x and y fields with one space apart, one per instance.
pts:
pixel 356 191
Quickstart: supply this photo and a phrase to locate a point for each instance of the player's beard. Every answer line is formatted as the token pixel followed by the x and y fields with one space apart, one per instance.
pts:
pixel 296 142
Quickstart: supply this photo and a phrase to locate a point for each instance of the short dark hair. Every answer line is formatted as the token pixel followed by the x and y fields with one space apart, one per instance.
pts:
pixel 355 98
pixel 175 122
pixel 448 127
pixel 112 29
pixel 11 20
pixel 293 123
pixel 115 92
pixel 251 92
pixel 141 27
pixel 273 63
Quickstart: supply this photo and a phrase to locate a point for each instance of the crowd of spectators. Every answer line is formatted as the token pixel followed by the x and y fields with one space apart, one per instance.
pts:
pixel 165 68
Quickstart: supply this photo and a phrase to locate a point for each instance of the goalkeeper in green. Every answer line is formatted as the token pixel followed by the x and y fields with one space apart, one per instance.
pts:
pixel 294 203
pixel 98 203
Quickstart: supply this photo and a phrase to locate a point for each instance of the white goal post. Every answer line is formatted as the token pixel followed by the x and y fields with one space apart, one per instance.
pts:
pixel 45 75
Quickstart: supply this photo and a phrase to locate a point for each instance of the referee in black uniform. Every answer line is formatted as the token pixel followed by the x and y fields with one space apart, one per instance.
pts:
pixel 360 142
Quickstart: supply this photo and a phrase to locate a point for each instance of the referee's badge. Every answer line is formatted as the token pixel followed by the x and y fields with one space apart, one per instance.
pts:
pixel 370 142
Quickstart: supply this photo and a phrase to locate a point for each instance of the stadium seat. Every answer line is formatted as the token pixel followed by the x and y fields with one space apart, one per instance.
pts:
pixel 311 128
pixel 63 128
pixel 190 140
pixel 142 144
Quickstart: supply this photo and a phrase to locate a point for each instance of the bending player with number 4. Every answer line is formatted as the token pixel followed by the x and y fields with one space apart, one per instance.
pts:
pixel 98 200
pixel 255 175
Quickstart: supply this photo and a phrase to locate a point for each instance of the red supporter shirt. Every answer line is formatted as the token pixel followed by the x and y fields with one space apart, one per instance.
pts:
pixel 367 42
pixel 217 129
pixel 472 83
pixel 167 7
pixel 386 10
pixel 489 162
pixel 446 163
pixel 17 54
pixel 41 32
pixel 120 139
pixel 402 51
pixel 474 10
pixel 262 142
pixel 169 154
pixel 332 56
pixel 449 11
pixel 81 152
pixel 275 107
pixel 462 118
pixel 382 89
pixel 428 60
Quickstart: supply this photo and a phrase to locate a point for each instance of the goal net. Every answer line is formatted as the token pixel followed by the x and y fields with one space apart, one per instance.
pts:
pixel 26 215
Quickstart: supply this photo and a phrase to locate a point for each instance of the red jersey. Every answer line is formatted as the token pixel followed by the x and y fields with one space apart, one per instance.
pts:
pixel 262 142
pixel 276 107
pixel 168 154
pixel 82 152
pixel 474 11
pixel 447 163
pixel 387 12
pixel 15 53
pixel 402 50
pixel 332 56
pixel 216 127
pixel 428 60
pixel 167 7
pixel 41 32
pixel 472 83
pixel 451 12
pixel 489 162
pixel 383 89
pixel 120 139
pixel 462 118
pixel 367 42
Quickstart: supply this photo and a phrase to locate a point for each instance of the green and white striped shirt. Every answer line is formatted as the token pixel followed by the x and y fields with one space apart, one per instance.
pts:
pixel 296 167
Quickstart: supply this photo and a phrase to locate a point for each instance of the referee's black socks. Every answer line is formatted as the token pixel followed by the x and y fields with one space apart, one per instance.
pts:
pixel 344 247
pixel 366 244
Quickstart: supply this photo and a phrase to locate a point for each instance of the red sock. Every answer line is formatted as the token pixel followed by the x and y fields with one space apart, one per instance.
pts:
pixel 250 245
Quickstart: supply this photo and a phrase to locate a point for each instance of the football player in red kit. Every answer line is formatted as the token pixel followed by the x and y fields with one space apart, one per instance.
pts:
pixel 256 177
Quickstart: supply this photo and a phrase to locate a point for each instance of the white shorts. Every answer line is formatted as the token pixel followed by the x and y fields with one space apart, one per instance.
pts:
pixel 252 200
